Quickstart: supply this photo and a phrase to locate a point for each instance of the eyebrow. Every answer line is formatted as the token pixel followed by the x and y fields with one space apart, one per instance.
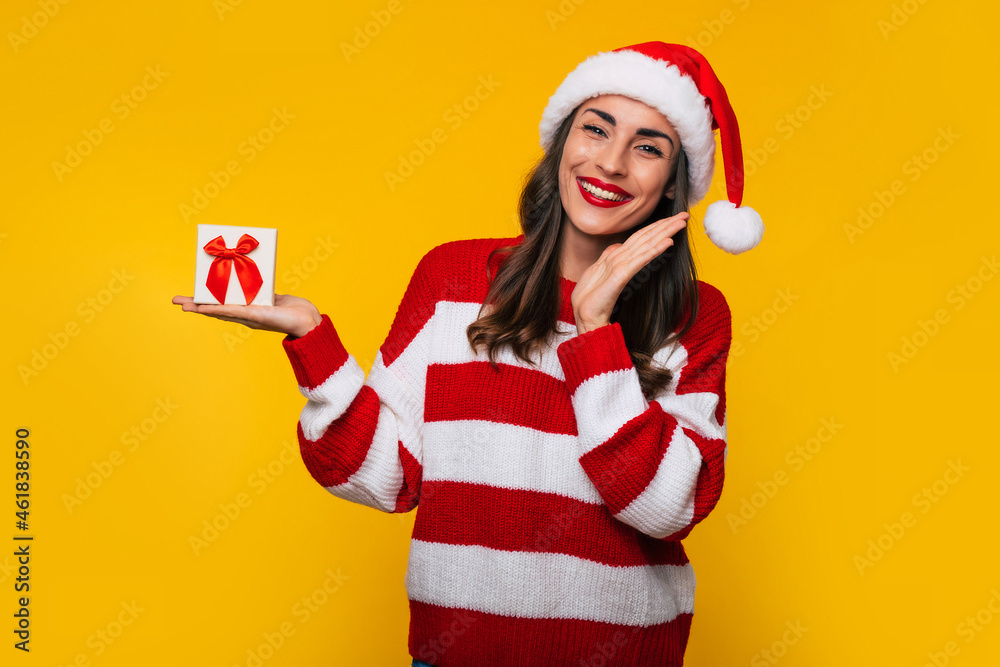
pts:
pixel 642 131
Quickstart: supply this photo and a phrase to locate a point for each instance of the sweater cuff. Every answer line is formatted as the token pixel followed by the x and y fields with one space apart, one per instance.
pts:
pixel 597 351
pixel 316 355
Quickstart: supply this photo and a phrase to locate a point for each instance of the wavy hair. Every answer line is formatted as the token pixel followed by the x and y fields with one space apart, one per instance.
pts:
pixel 524 295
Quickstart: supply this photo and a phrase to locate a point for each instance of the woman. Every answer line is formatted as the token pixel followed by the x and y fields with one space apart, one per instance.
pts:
pixel 552 404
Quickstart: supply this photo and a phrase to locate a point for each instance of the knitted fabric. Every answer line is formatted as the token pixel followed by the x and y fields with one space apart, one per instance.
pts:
pixel 551 499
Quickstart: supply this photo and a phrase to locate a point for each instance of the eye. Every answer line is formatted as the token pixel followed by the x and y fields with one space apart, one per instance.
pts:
pixel 653 150
pixel 595 129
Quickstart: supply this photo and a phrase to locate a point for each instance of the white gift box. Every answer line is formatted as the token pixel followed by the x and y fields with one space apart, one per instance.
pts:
pixel 235 264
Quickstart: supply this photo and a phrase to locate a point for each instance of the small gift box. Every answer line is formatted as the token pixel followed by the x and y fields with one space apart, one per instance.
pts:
pixel 235 265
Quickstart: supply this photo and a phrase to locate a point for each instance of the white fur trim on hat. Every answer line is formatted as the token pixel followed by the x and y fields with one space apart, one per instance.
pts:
pixel 734 229
pixel 652 82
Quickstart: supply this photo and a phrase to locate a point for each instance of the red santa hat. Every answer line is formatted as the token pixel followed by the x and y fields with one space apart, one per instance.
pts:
pixel 678 82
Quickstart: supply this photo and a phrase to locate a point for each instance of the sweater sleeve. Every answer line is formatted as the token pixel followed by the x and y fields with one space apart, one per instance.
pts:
pixel 362 439
pixel 658 465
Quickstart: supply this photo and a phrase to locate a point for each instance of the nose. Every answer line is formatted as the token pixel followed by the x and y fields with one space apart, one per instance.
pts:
pixel 612 159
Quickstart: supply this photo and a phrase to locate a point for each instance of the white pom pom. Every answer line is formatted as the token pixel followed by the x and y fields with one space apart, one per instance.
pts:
pixel 733 229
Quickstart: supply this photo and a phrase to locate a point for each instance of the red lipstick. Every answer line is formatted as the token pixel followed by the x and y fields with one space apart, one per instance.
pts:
pixel 608 187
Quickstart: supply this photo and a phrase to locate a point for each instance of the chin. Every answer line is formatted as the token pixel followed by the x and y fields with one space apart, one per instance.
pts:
pixel 602 232
pixel 603 228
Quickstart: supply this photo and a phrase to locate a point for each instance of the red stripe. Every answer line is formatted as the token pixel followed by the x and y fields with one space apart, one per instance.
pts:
pixel 509 395
pixel 597 351
pixel 453 271
pixel 519 520
pixel 415 308
pixel 342 449
pixel 710 480
pixel 446 637
pixel 317 355
pixel 622 467
pixel 705 369
pixel 707 344
pixel 409 493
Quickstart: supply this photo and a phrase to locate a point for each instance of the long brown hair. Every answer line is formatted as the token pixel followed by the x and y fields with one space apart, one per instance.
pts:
pixel 525 292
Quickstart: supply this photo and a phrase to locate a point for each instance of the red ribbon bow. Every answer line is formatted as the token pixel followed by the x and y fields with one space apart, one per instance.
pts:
pixel 246 269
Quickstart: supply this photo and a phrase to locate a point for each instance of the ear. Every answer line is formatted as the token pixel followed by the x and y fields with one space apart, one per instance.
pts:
pixel 669 192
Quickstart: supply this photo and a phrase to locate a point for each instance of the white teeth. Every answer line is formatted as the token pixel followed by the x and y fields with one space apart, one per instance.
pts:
pixel 603 194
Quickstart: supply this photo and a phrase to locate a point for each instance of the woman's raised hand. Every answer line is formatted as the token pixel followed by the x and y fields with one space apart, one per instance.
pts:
pixel 290 314
pixel 599 287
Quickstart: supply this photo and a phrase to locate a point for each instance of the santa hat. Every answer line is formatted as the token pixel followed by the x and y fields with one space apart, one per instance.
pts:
pixel 678 82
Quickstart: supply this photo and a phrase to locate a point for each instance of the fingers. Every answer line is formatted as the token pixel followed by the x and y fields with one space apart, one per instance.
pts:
pixel 655 233
pixel 602 283
pixel 626 259
pixel 223 310
pixel 661 236
pixel 668 226
pixel 213 311
pixel 649 241
pixel 678 221
pixel 186 303
pixel 247 323
pixel 230 313
pixel 288 315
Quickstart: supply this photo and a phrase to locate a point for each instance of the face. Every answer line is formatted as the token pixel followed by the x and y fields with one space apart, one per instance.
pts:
pixel 617 164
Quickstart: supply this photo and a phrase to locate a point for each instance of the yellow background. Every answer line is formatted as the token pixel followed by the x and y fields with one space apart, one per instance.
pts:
pixel 818 311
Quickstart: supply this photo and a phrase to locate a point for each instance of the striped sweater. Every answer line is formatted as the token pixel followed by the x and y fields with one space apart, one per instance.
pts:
pixel 551 498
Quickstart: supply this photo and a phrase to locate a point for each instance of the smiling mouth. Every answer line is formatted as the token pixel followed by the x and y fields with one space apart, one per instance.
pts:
pixel 600 196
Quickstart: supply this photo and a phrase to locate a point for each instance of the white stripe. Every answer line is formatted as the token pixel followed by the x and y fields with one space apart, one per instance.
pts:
pixel 546 585
pixel 694 411
pixel 666 505
pixel 402 389
pixel 506 456
pixel 400 418
pixel 604 403
pixel 410 367
pixel 451 346
pixel 405 402
pixel 377 482
pixel 328 401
